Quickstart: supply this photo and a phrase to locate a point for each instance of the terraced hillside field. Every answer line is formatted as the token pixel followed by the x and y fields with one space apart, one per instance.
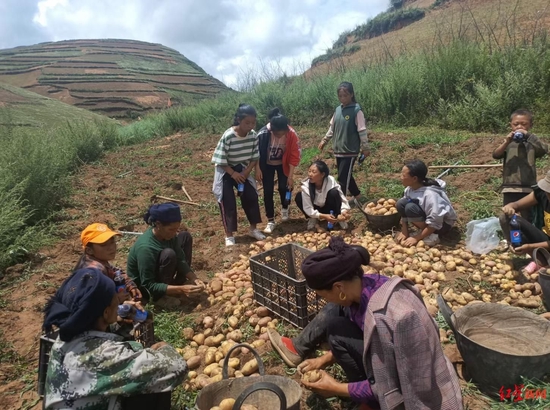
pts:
pixel 118 78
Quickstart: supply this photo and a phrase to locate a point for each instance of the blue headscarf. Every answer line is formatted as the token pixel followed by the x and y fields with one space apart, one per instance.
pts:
pixel 165 213
pixel 79 302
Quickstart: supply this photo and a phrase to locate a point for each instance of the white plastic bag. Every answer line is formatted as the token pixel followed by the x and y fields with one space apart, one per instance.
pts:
pixel 482 236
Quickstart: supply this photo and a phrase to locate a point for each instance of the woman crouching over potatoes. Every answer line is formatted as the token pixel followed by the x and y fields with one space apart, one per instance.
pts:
pixel 379 332
pixel 321 198
pixel 425 205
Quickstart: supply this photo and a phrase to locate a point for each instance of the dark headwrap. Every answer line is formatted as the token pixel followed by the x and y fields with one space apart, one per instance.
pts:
pixel 79 302
pixel 339 261
pixel 165 213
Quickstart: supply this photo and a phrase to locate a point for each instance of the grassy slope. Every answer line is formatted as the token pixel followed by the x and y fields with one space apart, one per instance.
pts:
pixel 36 113
pixel 116 77
pixel 499 22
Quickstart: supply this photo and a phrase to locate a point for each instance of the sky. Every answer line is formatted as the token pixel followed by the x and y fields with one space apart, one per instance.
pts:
pixel 229 39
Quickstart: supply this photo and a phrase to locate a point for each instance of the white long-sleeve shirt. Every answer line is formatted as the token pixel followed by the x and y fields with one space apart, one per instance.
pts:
pixel 321 196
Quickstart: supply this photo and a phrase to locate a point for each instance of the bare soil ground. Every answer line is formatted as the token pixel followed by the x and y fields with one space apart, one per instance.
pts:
pixel 117 191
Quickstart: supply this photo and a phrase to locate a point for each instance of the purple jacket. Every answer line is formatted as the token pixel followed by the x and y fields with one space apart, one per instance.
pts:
pixel 403 358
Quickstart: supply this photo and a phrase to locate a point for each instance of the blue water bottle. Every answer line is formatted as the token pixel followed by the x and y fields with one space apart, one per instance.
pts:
pixel 126 311
pixel 240 189
pixel 330 225
pixel 515 233
pixel 120 283
pixel 288 197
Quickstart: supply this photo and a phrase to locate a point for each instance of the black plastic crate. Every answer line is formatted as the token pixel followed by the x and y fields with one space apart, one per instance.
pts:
pixel 143 333
pixel 279 285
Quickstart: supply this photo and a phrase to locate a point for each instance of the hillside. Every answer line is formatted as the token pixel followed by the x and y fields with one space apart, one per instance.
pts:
pixel 497 23
pixel 119 78
pixel 23 108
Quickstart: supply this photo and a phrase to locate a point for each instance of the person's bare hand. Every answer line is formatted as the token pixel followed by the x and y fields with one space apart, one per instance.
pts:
pixel 508 210
pixel 521 250
pixel 200 283
pixel 410 241
pixel 326 386
pixel 290 183
pixel 311 364
pixel 329 218
pixel 321 146
pixel 258 175
pixel 135 304
pixel 191 290
pixel 158 345
pixel 238 177
pixel 400 237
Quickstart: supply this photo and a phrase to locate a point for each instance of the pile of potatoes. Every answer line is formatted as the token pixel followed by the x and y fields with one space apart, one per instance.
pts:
pixel 383 207
pixel 227 404
pixel 460 276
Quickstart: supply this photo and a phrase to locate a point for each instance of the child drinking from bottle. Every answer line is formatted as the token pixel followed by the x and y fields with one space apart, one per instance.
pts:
pixel 519 151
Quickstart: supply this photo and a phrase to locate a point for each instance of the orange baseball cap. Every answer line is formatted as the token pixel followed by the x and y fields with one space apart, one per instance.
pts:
pixel 96 233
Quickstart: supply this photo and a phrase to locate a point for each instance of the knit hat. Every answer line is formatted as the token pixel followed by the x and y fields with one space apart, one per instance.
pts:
pixel 79 302
pixel 165 213
pixel 339 261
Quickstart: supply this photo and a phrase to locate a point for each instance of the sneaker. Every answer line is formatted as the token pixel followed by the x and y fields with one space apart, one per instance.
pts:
pixel 284 213
pixel 256 234
pixel 270 227
pixel 230 241
pixel 167 302
pixel 311 223
pixel 343 225
pixel 431 240
pixel 291 358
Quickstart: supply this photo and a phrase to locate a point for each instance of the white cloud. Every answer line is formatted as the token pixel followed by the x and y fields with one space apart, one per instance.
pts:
pixel 225 37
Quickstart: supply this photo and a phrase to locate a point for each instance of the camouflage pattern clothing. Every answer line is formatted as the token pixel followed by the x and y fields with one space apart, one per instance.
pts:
pixel 91 371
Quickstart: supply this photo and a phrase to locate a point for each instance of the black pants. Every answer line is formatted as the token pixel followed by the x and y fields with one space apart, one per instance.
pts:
pixel 411 211
pixel 529 232
pixel 157 401
pixel 332 203
pixel 345 338
pixel 345 168
pixel 268 181
pixel 509 197
pixel 228 205
pixel 168 262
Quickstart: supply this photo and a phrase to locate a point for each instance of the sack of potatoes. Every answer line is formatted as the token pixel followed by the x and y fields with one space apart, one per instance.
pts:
pixel 382 207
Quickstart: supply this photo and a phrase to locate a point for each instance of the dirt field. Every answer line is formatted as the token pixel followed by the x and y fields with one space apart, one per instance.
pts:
pixel 118 190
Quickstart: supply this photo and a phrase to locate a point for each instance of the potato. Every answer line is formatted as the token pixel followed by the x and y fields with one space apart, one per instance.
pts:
pixel 208 322
pixel 216 408
pixel 214 340
pixel 250 367
pixel 227 404
pixel 208 369
pixel 264 321
pixel 262 311
pixel 216 285
pixel 233 321
pixel 209 358
pixel 189 353
pixel 194 362
pixel 199 338
pixel 188 333
pixel 312 376
pixel 248 407
pixel 235 335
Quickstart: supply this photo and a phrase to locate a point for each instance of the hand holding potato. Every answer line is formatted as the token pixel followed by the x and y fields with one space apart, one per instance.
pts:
pixel 190 290
pixel 326 386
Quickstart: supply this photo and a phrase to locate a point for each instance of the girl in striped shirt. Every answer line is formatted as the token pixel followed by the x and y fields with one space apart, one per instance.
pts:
pixel 235 157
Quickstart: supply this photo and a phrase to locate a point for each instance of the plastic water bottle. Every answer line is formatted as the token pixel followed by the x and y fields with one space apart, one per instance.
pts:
pixel 240 189
pixel 126 311
pixel 120 284
pixel 515 233
pixel 288 196
pixel 518 136
pixel 330 225
pixel 362 158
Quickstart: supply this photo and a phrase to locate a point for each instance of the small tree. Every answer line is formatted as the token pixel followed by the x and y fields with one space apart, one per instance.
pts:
pixel 396 4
